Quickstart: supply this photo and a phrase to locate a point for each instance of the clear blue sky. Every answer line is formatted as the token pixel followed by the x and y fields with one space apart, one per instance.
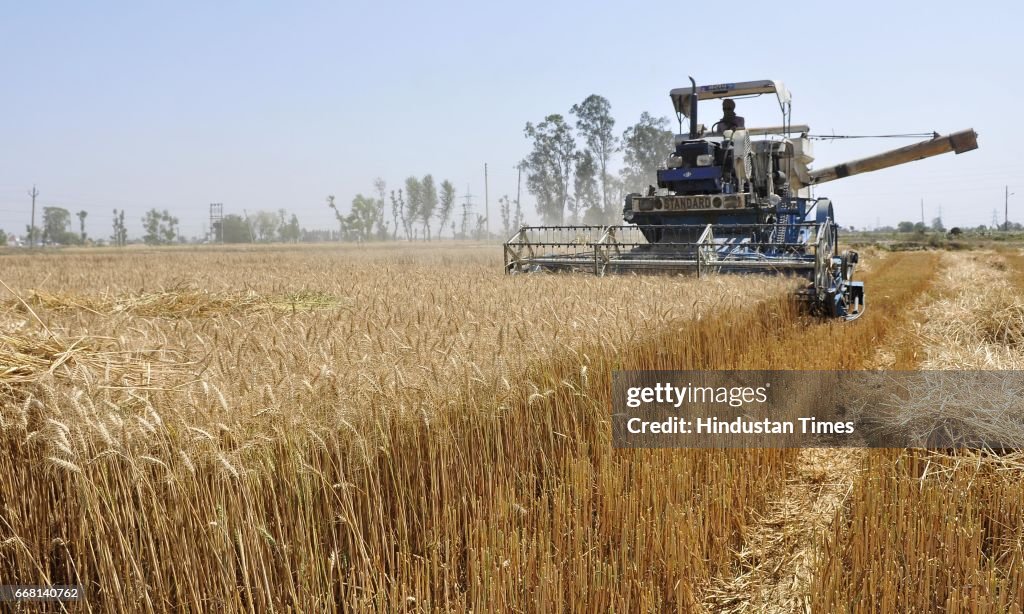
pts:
pixel 271 105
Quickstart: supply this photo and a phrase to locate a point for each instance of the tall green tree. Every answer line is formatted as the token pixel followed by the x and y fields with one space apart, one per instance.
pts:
pixel 265 224
pixel 447 201
pixel 586 196
pixel 57 226
pixel 120 236
pixel 235 230
pixel 549 165
pixel 81 223
pixel 428 204
pixel 161 228
pixel 363 219
pixel 595 124
pixel 288 230
pixel 646 146
pixel 413 204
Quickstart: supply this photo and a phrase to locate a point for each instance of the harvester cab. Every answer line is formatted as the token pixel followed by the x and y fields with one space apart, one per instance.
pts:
pixel 729 199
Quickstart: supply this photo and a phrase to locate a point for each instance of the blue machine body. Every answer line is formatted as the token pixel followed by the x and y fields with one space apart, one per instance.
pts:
pixel 701 207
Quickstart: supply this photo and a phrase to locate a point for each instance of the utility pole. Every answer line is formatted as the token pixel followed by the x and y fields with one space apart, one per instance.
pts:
pixel 32 231
pixel 1006 210
pixel 922 212
pixel 487 205
pixel 519 187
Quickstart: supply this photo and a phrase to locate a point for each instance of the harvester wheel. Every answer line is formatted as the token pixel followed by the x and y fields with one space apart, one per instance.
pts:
pixel 849 260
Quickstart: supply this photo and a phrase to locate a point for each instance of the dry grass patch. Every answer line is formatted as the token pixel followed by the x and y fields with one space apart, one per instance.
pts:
pixel 980 323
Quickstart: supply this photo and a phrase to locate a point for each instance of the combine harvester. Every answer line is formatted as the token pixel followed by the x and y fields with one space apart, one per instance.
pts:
pixel 727 203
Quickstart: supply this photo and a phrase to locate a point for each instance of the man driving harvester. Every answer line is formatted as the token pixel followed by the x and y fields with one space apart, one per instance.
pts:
pixel 729 121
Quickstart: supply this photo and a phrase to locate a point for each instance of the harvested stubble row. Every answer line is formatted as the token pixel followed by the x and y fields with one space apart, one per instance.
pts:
pixel 773 571
pixel 980 323
pixel 436 440
pixel 1014 259
pixel 925 531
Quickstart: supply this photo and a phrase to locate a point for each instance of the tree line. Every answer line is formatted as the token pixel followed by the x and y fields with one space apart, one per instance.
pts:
pixel 568 171
pixel 57 228
pixel 419 210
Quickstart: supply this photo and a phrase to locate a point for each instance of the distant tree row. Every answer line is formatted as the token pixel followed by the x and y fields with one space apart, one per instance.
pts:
pixel 57 228
pixel 937 226
pixel 261 227
pixel 569 172
pixel 415 208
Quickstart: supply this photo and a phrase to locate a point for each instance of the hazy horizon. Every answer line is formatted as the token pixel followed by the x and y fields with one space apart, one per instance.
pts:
pixel 272 106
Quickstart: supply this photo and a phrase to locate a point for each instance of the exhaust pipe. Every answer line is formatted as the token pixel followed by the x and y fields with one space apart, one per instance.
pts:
pixel 693 109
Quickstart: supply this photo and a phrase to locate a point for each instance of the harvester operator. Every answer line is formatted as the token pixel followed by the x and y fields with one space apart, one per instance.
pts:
pixel 729 121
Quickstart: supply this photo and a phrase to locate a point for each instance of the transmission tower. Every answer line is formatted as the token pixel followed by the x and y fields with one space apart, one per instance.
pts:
pixel 467 208
pixel 216 222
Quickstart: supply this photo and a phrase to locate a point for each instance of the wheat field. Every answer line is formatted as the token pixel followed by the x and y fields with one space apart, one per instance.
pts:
pixel 407 429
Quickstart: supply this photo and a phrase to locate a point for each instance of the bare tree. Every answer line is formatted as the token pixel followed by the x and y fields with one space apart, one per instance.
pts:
pixel 397 211
pixel 338 216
